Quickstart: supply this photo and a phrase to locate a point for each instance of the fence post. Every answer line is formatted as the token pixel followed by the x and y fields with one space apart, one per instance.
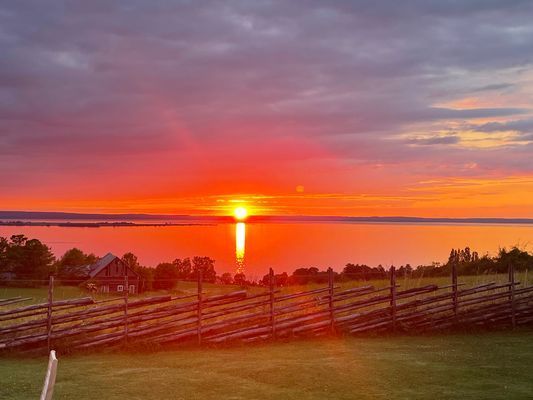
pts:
pixel 393 296
pixel 126 293
pixel 199 308
pixel 330 284
pixel 50 377
pixel 454 289
pixel 49 313
pixel 272 317
pixel 511 294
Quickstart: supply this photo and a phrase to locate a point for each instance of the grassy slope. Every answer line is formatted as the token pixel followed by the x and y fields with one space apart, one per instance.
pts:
pixel 488 366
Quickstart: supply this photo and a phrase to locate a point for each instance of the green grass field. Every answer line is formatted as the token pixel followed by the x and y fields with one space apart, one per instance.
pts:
pixel 486 366
pixel 39 295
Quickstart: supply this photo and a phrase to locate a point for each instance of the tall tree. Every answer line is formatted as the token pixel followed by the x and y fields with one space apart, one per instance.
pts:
pixel 131 260
pixel 207 266
pixel 72 267
pixel 4 248
pixel 165 276
pixel 30 260
pixel 184 268
pixel 226 278
pixel 240 279
pixel 146 274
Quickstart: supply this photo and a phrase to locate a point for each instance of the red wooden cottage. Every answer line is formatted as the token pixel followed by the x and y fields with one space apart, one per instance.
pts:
pixel 109 272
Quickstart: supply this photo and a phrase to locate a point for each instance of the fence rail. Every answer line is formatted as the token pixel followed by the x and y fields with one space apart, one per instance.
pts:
pixel 83 323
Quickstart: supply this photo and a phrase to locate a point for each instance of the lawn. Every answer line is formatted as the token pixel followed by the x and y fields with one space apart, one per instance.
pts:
pixel 486 366
pixel 40 294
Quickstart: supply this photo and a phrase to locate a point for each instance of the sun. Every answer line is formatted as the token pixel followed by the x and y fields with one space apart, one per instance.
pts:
pixel 240 213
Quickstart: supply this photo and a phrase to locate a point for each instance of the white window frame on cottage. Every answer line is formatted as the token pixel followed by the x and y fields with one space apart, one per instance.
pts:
pixel 120 288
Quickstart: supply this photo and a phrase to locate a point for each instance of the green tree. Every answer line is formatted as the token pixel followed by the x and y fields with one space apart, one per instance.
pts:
pixel 240 279
pixel 72 267
pixel 302 276
pixel 281 279
pixel 165 276
pixel 520 259
pixel 4 248
pixel 30 260
pixel 226 278
pixel 131 260
pixel 357 272
pixel 18 240
pixel 146 275
pixel 14 256
pixel 207 266
pixel 184 268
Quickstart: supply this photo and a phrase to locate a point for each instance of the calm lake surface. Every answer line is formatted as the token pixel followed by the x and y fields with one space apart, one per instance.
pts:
pixel 255 247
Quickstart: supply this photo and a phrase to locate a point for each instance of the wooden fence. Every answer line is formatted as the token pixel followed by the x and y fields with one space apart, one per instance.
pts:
pixel 82 323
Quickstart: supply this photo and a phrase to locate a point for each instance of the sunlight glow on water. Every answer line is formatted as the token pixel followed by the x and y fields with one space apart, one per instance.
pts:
pixel 283 247
pixel 240 241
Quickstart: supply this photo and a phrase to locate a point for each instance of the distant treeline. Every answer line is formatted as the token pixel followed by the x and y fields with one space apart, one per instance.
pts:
pixel 29 262
pixel 467 262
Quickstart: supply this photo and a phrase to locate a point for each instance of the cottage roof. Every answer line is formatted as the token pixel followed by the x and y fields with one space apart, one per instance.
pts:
pixel 95 268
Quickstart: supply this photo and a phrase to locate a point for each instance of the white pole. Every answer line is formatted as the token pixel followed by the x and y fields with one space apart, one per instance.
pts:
pixel 50 378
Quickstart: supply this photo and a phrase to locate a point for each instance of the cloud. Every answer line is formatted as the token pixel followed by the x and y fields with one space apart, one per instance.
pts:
pixel 448 113
pixel 523 125
pixel 451 139
pixel 184 90
pixel 493 87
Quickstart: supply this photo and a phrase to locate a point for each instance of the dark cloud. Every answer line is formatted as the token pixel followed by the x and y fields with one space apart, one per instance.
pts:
pixel 451 139
pixel 523 125
pixel 493 87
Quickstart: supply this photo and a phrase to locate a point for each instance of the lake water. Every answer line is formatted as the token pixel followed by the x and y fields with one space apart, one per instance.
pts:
pixel 254 247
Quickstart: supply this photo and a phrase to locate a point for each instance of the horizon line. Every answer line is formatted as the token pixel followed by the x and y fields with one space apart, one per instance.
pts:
pixel 63 215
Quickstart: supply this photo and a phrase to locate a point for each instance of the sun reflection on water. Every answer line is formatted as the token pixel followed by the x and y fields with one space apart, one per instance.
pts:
pixel 240 239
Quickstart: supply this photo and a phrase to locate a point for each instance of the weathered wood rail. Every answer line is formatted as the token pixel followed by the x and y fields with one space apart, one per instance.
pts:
pixel 69 325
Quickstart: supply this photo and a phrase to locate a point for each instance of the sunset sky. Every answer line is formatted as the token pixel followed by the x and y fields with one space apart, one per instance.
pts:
pixel 417 108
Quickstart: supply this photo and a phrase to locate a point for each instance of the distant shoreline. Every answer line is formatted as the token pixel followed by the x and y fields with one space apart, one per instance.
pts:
pixel 94 224
pixel 26 218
